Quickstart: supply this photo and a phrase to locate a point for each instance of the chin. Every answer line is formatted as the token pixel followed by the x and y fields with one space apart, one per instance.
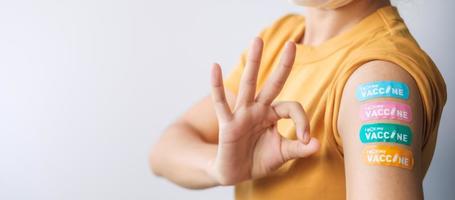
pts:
pixel 308 2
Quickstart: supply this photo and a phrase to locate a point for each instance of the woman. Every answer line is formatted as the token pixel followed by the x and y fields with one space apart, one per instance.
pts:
pixel 364 103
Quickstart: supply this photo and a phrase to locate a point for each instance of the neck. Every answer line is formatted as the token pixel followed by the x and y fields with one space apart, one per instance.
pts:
pixel 323 24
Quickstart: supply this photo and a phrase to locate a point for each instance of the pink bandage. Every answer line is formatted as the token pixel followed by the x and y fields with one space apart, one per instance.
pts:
pixel 385 110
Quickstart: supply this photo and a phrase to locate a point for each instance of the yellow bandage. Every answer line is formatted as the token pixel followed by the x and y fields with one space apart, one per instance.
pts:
pixel 388 155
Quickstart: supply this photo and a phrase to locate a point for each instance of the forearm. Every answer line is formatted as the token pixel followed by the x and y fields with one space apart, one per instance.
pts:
pixel 183 157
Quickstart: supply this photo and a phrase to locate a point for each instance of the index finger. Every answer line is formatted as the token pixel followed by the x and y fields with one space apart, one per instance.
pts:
pixel 276 82
pixel 295 111
pixel 218 96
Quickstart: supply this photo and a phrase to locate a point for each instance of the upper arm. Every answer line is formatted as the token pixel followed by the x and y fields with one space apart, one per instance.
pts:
pixel 382 135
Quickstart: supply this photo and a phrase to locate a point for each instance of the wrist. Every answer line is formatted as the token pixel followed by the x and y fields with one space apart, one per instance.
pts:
pixel 209 170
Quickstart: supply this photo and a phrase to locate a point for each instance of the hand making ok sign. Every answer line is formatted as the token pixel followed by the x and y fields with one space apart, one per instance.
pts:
pixel 250 145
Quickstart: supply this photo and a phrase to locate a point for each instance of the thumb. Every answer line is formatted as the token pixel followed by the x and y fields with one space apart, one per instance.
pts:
pixel 292 149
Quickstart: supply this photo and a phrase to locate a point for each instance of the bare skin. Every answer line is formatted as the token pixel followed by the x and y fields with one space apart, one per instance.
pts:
pixel 380 182
pixel 224 139
pixel 249 144
pixel 323 24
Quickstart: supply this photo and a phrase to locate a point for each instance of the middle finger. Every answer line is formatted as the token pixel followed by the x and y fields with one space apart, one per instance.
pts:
pixel 249 77
pixel 276 82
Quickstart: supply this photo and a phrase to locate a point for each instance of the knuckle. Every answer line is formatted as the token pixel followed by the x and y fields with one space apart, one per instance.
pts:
pixel 255 61
pixel 217 98
pixel 250 81
pixel 286 64
pixel 277 84
pixel 285 152
pixel 295 105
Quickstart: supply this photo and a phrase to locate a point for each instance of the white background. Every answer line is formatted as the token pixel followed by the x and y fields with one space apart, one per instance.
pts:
pixel 87 86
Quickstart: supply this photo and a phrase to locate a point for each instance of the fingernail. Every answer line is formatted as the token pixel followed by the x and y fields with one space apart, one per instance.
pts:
pixel 288 44
pixel 300 134
pixel 306 137
pixel 257 39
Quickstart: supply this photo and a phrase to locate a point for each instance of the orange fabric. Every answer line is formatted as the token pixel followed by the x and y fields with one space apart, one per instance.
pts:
pixel 317 80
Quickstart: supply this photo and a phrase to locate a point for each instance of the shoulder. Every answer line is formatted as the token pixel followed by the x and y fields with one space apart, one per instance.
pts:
pixel 401 48
pixel 380 69
pixel 373 81
pixel 380 124
pixel 395 55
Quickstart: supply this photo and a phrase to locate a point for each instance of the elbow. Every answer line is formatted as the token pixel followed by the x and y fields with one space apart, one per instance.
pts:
pixel 154 161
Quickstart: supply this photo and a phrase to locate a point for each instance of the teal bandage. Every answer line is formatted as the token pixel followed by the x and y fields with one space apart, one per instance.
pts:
pixel 381 89
pixel 386 132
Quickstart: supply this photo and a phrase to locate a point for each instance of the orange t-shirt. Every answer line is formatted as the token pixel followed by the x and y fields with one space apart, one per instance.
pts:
pixel 317 80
